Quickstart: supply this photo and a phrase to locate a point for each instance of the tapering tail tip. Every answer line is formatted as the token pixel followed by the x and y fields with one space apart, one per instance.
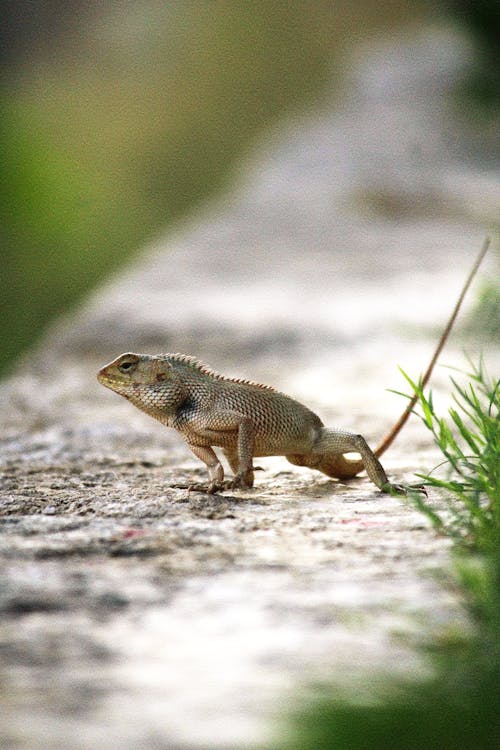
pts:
pixel 396 429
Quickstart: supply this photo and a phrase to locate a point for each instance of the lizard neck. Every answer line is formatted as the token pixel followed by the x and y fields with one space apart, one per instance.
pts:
pixel 184 412
pixel 157 400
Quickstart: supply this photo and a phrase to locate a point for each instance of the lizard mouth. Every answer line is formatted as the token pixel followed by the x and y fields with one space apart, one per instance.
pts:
pixel 114 383
pixel 105 378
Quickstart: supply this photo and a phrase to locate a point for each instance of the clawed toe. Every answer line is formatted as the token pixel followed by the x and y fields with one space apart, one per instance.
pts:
pixel 417 488
pixel 393 489
pixel 238 482
pixel 403 489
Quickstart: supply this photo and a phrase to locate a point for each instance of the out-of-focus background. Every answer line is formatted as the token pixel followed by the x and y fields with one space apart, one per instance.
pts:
pixel 119 118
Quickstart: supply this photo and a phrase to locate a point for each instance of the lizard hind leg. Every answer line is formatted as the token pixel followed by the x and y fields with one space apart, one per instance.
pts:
pixel 340 467
pixel 332 464
pixel 330 446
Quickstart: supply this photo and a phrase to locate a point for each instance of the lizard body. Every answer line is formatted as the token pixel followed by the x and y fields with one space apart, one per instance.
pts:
pixel 248 419
pixel 244 418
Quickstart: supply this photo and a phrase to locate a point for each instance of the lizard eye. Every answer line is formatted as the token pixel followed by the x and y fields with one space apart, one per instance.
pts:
pixel 127 366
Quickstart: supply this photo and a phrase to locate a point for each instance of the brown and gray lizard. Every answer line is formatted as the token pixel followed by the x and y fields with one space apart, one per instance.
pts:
pixel 247 419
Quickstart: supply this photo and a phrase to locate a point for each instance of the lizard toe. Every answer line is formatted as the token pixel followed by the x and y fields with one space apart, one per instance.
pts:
pixel 393 489
pixel 240 481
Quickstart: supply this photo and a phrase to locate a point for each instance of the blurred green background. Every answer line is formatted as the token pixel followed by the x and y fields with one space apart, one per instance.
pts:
pixel 118 118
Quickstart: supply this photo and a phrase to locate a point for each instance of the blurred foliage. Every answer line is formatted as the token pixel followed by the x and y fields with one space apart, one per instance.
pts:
pixel 118 118
pixel 482 19
pixel 469 441
pixel 458 706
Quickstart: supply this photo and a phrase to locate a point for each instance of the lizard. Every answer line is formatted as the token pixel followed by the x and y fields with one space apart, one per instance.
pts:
pixel 248 419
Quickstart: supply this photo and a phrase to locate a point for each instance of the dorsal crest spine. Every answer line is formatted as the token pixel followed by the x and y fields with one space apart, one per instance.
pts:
pixel 203 369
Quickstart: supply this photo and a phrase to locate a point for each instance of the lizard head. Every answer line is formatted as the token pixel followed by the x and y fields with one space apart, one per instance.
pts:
pixel 147 381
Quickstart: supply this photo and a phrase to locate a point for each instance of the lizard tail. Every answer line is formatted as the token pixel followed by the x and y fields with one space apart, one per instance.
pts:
pixel 337 465
pixel 392 434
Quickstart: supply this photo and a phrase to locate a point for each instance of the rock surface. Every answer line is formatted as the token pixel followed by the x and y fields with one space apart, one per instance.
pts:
pixel 135 615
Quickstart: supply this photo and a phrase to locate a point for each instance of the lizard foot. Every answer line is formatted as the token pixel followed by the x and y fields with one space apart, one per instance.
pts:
pixel 402 489
pixel 210 489
pixel 215 487
pixel 393 489
pixel 228 484
pixel 239 483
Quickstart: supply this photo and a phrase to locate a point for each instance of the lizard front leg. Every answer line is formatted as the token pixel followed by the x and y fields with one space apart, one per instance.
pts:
pixel 214 466
pixel 236 434
pixel 234 462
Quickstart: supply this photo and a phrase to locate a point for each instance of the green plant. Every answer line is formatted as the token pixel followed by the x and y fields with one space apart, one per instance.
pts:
pixel 469 440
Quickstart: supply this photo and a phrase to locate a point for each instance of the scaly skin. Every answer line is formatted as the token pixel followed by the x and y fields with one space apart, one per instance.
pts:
pixel 247 419
pixel 243 418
